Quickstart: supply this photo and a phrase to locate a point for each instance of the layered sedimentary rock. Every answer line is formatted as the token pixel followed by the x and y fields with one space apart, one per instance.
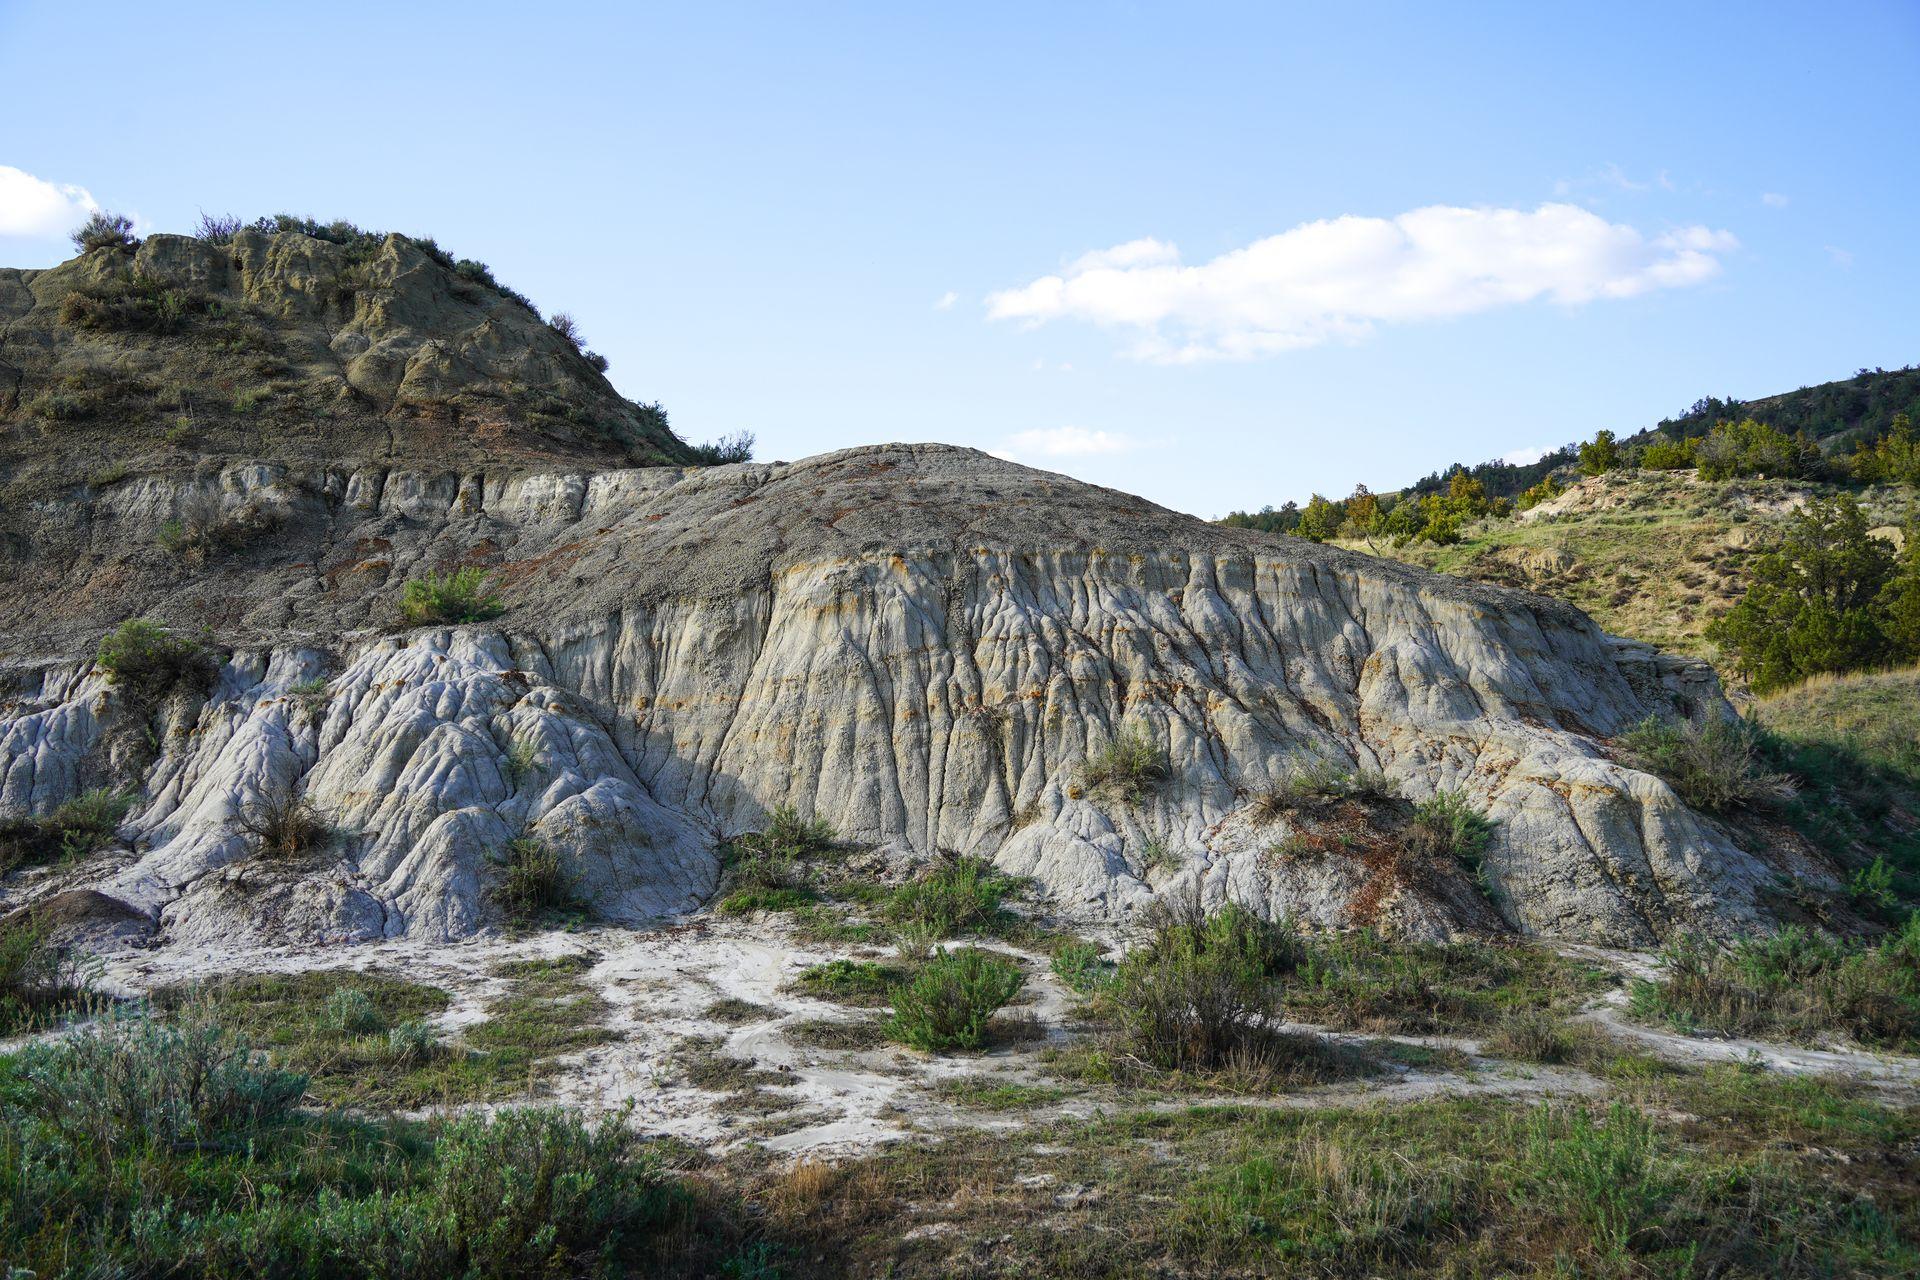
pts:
pixel 920 645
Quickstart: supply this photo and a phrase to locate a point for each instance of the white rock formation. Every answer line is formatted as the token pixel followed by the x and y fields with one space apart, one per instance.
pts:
pixel 918 644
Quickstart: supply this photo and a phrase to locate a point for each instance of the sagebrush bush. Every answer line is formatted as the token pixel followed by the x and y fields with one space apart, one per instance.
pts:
pixel 531 881
pixel 1081 965
pixel 78 827
pixel 462 596
pixel 349 1011
pixel 129 1083
pixel 1716 766
pixel 146 661
pixel 770 859
pixel 283 824
pixel 1128 767
pixel 949 1000
pixel 104 230
pixel 35 977
pixel 206 526
pixel 1795 983
pixel 137 305
pixel 413 1043
pixel 1202 987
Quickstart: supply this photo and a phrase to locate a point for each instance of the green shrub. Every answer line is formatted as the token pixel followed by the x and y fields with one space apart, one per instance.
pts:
pixel 104 230
pixel 85 824
pixel 131 1083
pixel 1716 766
pixel 1081 965
pixel 462 596
pixel 531 882
pixel 131 306
pixel 947 1002
pixel 1795 983
pixel 757 899
pixel 1448 826
pixel 854 982
pixel 1129 767
pixel 34 977
pixel 1202 987
pixel 1319 783
pixel 958 895
pixel 1606 1176
pixel 1600 455
pixel 1750 448
pixel 725 450
pixel 413 1043
pixel 146 661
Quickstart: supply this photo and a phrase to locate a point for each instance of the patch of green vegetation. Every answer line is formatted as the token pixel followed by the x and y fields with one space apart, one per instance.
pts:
pixel 136 1148
pixel 1363 981
pixel 532 884
pixel 758 899
pixel 861 983
pixel 1850 741
pixel 948 1001
pixel 1799 984
pixel 1081 965
pixel 956 896
pixel 362 1038
pixel 76 828
pixel 1717 766
pixel 145 661
pixel 984 1093
pixel 461 596
pixel 1128 767
pixel 37 983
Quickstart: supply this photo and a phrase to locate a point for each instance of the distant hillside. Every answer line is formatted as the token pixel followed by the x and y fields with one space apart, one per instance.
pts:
pixel 1837 414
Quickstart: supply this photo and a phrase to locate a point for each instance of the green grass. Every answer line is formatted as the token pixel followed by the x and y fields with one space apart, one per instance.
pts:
pixel 986 1094
pixel 545 1012
pixel 955 897
pixel 861 983
pixel 1362 981
pixel 1817 1183
pixel 460 596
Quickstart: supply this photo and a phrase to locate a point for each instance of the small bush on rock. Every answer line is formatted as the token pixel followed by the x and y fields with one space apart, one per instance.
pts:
pixel 1448 826
pixel 146 661
pixel 727 449
pixel 34 976
pixel 284 824
pixel 948 1001
pixel 462 596
pixel 79 827
pixel 1129 767
pixel 104 230
pixel 532 882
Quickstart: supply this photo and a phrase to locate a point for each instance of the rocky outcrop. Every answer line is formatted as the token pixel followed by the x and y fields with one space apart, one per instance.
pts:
pixel 919 644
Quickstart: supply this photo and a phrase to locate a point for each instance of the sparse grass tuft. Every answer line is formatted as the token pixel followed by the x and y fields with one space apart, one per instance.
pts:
pixel 531 883
pixel 850 982
pixel 1129 767
pixel 283 824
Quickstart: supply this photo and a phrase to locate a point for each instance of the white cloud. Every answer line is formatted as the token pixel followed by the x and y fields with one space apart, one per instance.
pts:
pixel 31 206
pixel 1774 200
pixel 1063 442
pixel 1340 277
pixel 947 300
pixel 1525 457
pixel 1842 258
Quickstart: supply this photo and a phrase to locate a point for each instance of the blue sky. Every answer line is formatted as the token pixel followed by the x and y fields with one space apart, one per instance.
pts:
pixel 1218 255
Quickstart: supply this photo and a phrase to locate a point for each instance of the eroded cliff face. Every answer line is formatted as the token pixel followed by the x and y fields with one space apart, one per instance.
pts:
pixel 919 644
